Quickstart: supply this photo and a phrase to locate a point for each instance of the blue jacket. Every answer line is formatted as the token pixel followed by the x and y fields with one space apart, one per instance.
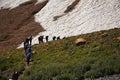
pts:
pixel 28 55
pixel 28 49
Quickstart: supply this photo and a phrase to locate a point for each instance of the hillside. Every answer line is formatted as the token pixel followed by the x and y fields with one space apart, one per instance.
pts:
pixel 22 18
pixel 63 60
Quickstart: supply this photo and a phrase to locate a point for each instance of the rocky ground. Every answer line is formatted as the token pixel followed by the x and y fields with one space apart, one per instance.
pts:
pixel 112 77
pixel 18 23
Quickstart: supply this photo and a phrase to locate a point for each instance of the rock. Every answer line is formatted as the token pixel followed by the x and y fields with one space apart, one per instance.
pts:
pixel 104 34
pixel 118 38
pixel 80 41
pixel 34 52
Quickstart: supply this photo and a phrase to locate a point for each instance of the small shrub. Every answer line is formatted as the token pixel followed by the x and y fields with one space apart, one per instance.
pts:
pixel 3 67
pixel 115 44
pixel 81 69
pixel 36 77
pixel 3 77
pixel 65 77
pixel 27 73
pixel 90 74
pixel 21 68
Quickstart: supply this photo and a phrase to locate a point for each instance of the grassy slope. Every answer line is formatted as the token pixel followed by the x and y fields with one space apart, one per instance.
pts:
pixel 10 62
pixel 63 60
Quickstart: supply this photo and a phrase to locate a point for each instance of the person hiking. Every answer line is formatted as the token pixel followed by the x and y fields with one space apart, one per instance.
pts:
pixel 28 50
pixel 28 55
pixel 58 37
pixel 46 38
pixel 54 37
pixel 15 76
pixel 40 39
pixel 27 40
pixel 30 40
pixel 26 44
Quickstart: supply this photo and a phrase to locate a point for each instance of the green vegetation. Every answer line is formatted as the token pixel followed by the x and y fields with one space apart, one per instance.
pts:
pixel 10 62
pixel 63 60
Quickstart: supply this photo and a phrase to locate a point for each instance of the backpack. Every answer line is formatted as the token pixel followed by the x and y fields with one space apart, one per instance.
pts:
pixel 28 55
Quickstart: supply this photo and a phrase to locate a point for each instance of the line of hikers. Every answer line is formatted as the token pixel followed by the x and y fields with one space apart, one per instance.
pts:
pixel 40 38
pixel 27 51
pixel 28 41
pixel 27 48
pixel 28 44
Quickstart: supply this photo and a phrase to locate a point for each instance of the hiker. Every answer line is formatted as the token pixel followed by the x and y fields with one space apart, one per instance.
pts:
pixel 28 55
pixel 46 38
pixel 28 50
pixel 58 37
pixel 15 76
pixel 26 44
pixel 54 37
pixel 27 40
pixel 30 40
pixel 40 39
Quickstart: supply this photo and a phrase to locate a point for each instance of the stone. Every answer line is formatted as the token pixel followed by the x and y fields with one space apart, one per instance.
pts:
pixel 80 41
pixel 104 34
pixel 34 52
pixel 118 38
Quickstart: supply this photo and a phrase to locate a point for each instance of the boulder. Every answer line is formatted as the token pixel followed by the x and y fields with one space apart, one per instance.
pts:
pixel 104 34
pixel 80 41
pixel 34 52
pixel 118 38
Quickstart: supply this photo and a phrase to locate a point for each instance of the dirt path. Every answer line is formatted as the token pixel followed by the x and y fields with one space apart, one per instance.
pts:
pixel 26 68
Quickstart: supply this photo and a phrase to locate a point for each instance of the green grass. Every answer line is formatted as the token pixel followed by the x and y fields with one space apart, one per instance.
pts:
pixel 10 62
pixel 63 60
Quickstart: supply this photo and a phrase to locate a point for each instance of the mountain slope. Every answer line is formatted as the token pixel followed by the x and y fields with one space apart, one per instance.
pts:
pixel 70 17
pixel 73 17
pixel 63 60
pixel 66 18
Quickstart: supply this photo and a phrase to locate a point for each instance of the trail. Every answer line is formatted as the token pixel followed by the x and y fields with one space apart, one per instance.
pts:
pixel 26 68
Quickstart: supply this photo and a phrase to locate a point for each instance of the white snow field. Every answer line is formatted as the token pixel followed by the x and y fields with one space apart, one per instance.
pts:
pixel 11 3
pixel 87 16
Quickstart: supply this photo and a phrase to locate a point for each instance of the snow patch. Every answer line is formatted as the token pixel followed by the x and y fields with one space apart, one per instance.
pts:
pixel 39 1
pixel 11 3
pixel 87 16
pixel 4 4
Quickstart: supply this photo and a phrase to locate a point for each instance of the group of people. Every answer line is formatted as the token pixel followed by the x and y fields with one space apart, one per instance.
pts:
pixel 40 38
pixel 27 48
pixel 28 44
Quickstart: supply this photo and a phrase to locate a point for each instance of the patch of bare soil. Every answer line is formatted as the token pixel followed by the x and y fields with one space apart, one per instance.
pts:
pixel 72 6
pixel 18 23
pixel 69 9
pixel 57 17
